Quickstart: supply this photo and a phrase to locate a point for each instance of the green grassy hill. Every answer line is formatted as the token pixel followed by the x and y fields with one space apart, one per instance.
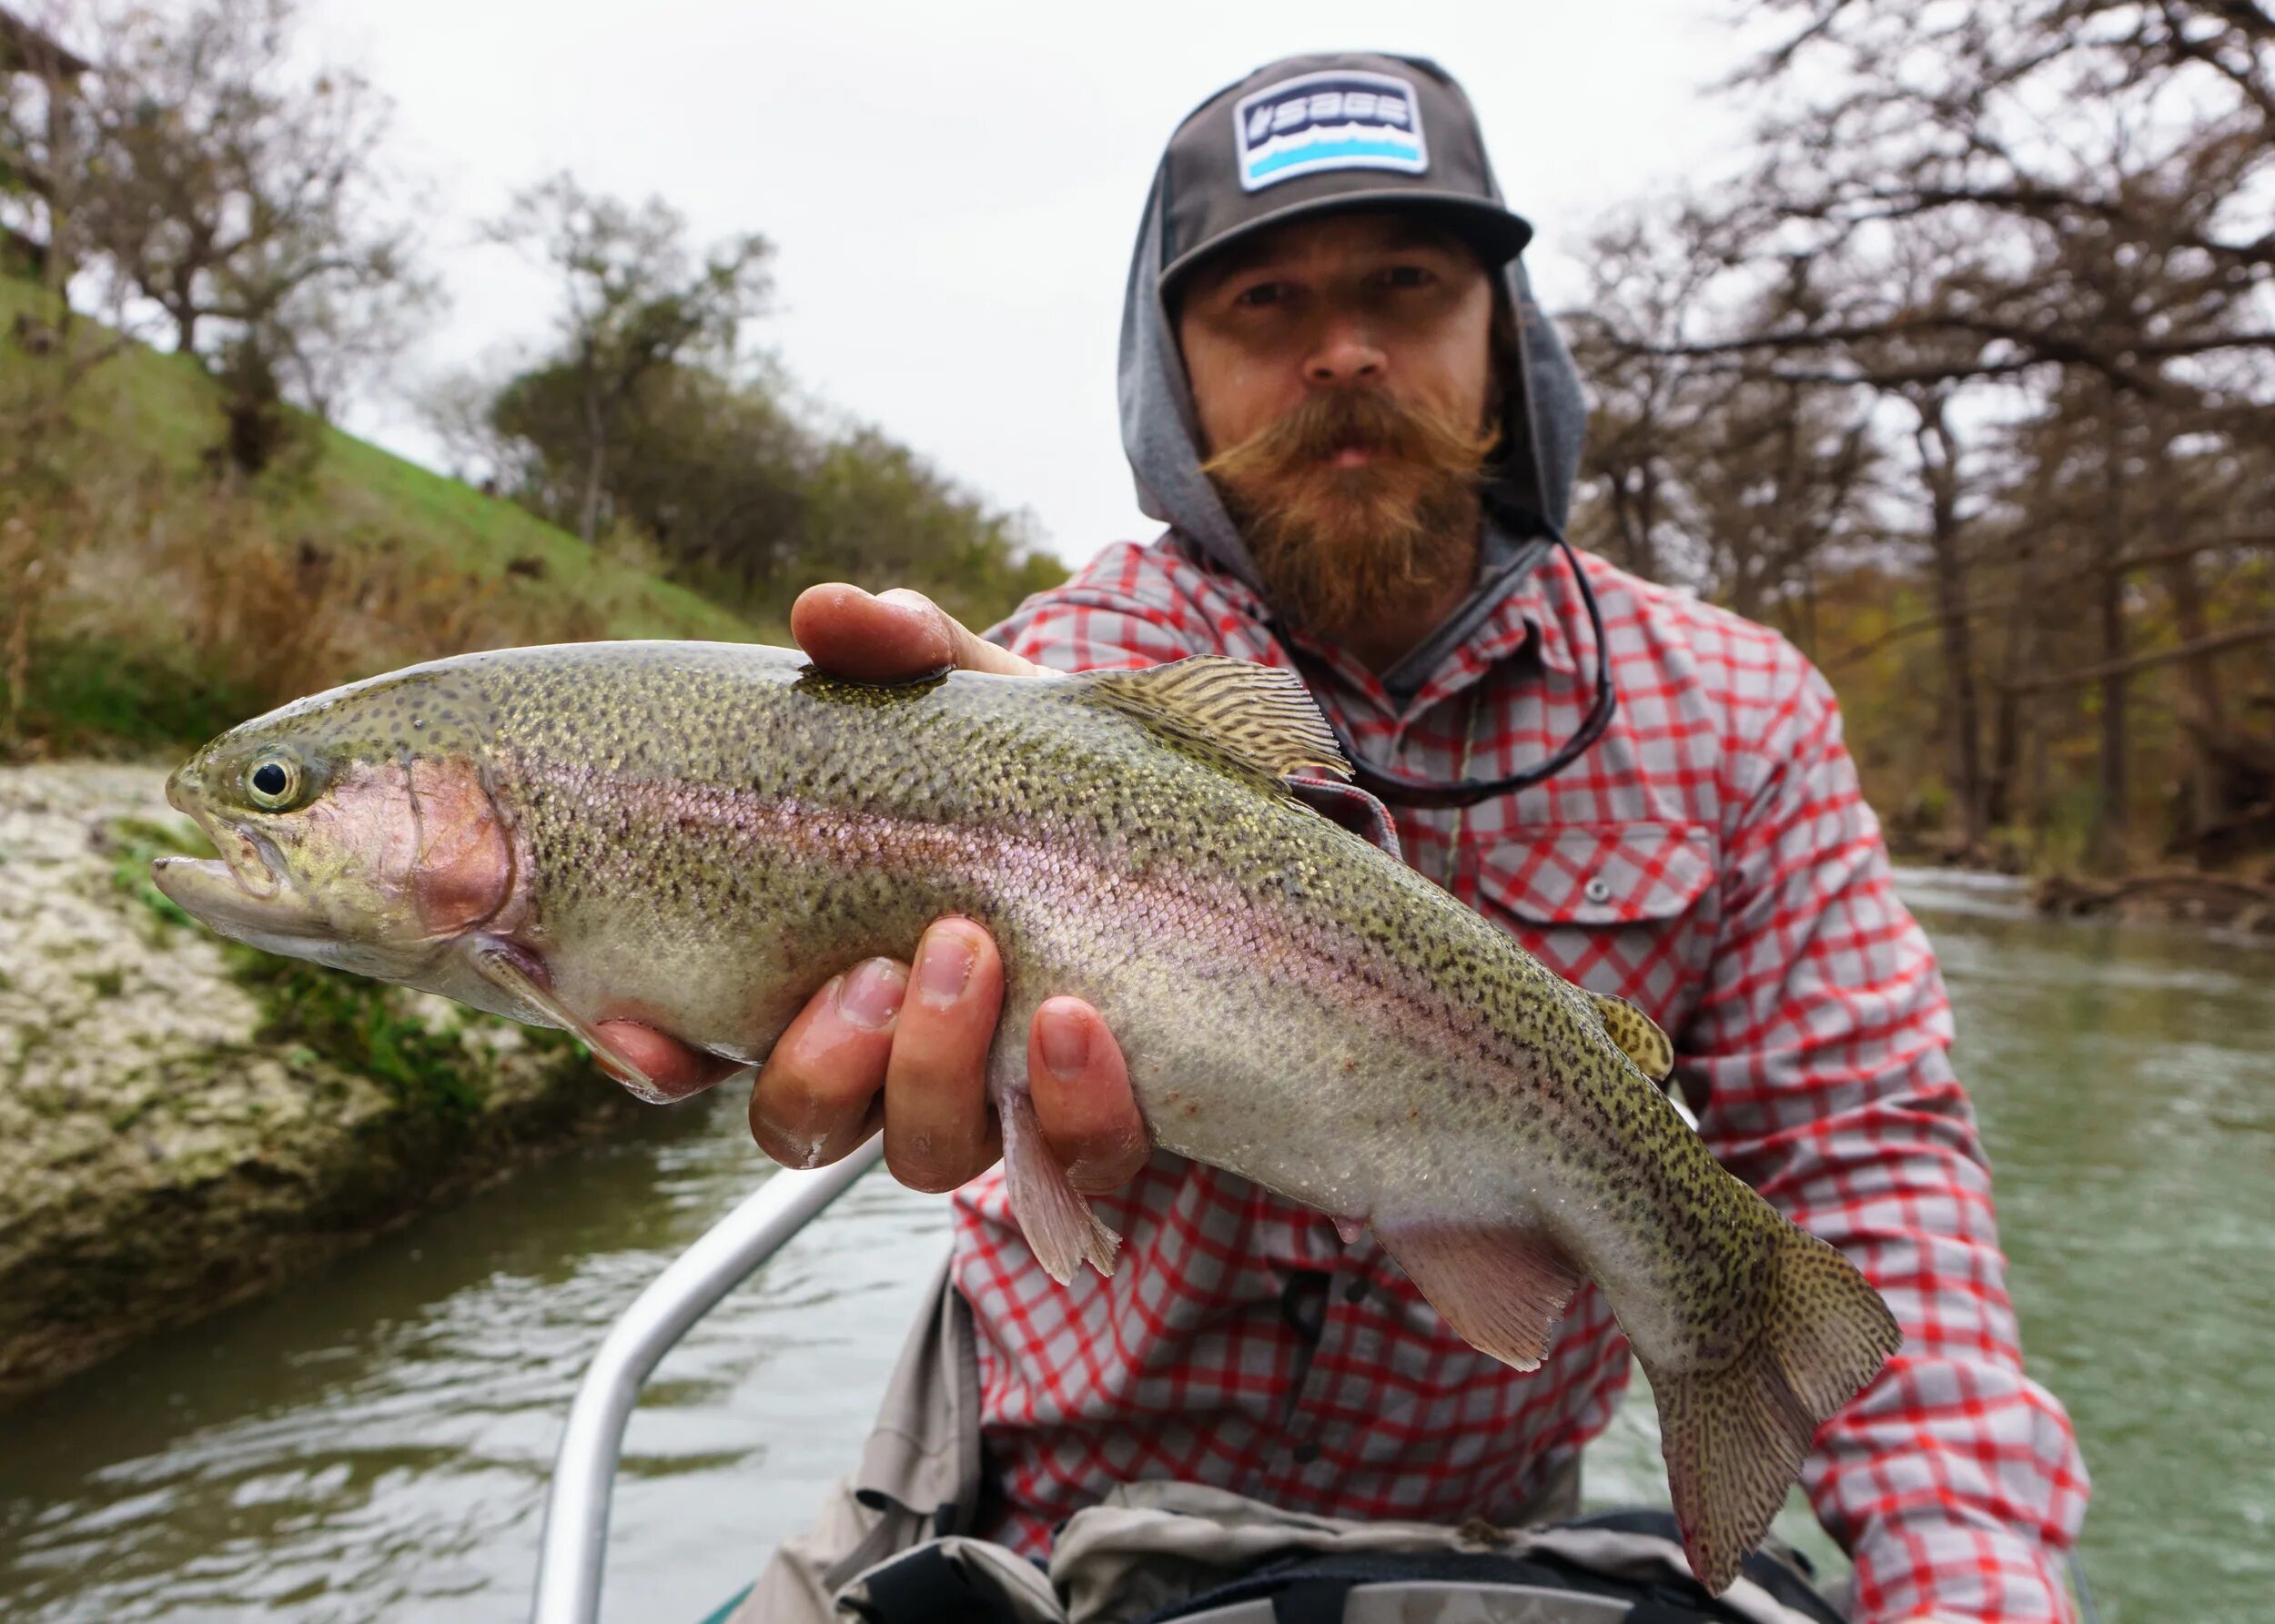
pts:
pixel 147 600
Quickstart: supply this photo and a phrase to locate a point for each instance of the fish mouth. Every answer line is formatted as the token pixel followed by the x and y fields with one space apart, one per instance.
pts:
pixel 243 893
pixel 218 892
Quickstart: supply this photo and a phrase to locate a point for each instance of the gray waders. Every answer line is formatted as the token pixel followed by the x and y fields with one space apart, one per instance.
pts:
pixel 893 1544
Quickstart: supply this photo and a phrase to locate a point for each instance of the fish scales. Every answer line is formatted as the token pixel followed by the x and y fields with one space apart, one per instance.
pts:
pixel 699 835
pixel 974 801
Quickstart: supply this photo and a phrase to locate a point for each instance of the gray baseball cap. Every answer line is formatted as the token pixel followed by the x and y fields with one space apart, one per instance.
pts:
pixel 1326 135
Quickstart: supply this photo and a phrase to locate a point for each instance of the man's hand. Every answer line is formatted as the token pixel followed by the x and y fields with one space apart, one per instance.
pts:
pixel 907 1046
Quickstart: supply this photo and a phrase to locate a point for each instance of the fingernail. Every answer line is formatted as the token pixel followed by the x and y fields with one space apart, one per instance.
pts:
pixel 871 995
pixel 1065 1044
pixel 944 965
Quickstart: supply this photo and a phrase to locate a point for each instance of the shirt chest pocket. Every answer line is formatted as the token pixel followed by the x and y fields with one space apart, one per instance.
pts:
pixel 1623 907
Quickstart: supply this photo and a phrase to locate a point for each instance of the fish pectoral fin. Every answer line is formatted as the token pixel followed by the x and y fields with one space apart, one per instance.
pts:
pixel 1636 1033
pixel 1501 1288
pixel 1057 1222
pixel 1258 717
pixel 521 977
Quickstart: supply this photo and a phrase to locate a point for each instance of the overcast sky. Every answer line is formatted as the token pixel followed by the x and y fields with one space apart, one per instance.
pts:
pixel 952 188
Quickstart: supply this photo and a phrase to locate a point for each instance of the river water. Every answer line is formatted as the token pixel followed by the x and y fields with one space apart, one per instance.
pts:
pixel 374 1442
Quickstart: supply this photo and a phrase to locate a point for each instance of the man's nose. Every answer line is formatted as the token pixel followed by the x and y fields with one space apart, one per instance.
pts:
pixel 1345 354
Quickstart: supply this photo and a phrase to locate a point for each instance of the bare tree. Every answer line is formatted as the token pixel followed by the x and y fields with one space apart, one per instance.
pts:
pixel 41 166
pixel 1644 282
pixel 1711 473
pixel 2052 135
pixel 234 190
pixel 2034 244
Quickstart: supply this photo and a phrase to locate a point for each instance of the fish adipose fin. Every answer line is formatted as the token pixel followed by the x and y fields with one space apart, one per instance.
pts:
pixel 514 973
pixel 1734 1439
pixel 1058 1223
pixel 1501 1289
pixel 1261 717
pixel 1638 1034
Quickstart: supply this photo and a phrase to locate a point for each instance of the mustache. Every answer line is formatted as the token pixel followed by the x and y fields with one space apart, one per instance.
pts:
pixel 1335 545
pixel 1332 420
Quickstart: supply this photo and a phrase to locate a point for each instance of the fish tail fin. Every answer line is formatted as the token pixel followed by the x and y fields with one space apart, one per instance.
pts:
pixel 1735 1438
pixel 1058 1223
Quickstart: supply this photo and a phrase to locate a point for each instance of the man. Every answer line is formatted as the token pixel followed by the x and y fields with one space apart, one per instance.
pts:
pixel 1361 434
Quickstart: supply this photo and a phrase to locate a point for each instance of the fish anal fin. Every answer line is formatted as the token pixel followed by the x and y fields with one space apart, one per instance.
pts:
pixel 1637 1035
pixel 522 978
pixel 1735 1436
pixel 1501 1288
pixel 1260 717
pixel 1057 1222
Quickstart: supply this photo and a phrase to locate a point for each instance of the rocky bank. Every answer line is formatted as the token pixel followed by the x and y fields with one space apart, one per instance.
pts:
pixel 184 1123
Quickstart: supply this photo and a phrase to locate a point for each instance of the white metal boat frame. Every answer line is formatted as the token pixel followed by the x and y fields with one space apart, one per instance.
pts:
pixel 575 1542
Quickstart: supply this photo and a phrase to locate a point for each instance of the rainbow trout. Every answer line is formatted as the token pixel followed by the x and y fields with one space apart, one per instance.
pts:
pixel 697 836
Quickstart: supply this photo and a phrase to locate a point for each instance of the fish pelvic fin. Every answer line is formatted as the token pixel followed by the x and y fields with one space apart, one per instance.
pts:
pixel 1501 1288
pixel 1058 1221
pixel 1257 717
pixel 1735 1438
pixel 1637 1035
pixel 521 977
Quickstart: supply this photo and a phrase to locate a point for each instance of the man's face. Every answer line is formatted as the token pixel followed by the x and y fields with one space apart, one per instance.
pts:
pixel 1342 372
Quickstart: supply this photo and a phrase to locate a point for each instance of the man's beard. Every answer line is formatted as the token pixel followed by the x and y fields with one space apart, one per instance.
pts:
pixel 1336 546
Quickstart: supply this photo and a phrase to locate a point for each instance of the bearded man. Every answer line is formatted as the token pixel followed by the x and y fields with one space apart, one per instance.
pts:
pixel 1339 396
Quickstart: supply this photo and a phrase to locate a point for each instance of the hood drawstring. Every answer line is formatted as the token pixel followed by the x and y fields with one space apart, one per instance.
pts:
pixel 1394 788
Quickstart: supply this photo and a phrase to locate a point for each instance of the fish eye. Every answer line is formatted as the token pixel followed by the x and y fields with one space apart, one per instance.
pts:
pixel 274 782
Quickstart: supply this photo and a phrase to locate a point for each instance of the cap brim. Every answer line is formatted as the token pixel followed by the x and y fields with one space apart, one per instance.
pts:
pixel 1498 234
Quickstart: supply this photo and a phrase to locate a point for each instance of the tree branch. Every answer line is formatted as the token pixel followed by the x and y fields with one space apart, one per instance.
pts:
pixel 2126 562
pixel 2234 637
pixel 1904 628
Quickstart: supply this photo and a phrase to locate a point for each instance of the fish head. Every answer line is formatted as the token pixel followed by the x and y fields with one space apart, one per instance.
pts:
pixel 357 829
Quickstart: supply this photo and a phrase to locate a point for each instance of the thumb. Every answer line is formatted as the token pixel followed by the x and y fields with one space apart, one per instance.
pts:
pixel 891 637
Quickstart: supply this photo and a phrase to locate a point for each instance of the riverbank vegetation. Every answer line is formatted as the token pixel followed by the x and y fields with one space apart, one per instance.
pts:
pixel 648 424
pixel 152 593
pixel 203 251
pixel 1969 388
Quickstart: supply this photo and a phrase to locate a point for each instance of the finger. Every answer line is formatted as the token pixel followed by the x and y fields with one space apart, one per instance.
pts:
pixel 667 1066
pixel 891 637
pixel 938 1132
pixel 1082 1096
pixel 817 1097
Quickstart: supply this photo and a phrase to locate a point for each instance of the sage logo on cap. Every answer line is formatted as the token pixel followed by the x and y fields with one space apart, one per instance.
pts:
pixel 1326 121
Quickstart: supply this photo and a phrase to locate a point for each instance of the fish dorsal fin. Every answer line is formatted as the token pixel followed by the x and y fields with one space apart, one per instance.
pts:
pixel 1638 1034
pixel 1261 716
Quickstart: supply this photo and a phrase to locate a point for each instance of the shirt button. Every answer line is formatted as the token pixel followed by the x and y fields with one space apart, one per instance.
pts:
pixel 1356 1292
pixel 1596 891
pixel 1306 1453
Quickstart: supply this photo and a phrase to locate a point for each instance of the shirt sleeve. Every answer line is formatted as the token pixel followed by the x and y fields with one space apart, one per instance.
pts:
pixel 1121 612
pixel 1822 1047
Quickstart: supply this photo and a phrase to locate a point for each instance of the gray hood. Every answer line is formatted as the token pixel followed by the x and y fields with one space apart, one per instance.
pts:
pixel 1545 419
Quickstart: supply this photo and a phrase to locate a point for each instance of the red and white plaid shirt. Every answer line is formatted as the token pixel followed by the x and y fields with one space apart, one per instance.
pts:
pixel 1710 859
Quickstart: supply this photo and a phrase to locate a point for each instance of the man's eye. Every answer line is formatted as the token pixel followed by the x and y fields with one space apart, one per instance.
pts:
pixel 1263 295
pixel 1408 275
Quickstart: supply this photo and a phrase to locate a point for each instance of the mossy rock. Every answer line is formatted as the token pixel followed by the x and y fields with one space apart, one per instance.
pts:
pixel 184 1123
